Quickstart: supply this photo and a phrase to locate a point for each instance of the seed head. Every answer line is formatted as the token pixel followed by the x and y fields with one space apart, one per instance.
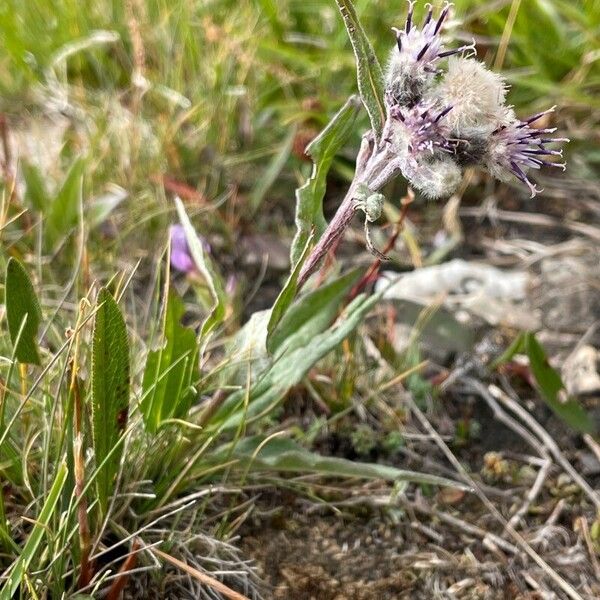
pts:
pixel 434 176
pixel 476 95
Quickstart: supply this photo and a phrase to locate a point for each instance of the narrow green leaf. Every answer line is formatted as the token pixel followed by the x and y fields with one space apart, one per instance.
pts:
pixel 288 293
pixel 289 369
pixel 36 194
pixel 549 382
pixel 517 347
pixel 309 197
pixel 310 315
pixel 170 371
pixel 21 565
pixel 281 454
pixel 23 312
pixel 62 214
pixel 269 9
pixel 551 386
pixel 208 271
pixel 110 390
pixel 368 70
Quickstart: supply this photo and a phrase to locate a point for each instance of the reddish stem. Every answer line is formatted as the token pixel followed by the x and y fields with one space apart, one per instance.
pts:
pixel 334 231
pixel 373 270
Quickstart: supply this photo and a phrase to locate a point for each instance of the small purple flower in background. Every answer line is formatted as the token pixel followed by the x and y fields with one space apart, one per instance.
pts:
pixel 181 259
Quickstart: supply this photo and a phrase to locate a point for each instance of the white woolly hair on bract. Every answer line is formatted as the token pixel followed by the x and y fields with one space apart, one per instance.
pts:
pixel 435 176
pixel 476 94
pixel 495 160
pixel 405 78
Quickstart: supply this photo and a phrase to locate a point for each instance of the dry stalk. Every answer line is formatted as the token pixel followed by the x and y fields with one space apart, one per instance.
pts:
pixel 567 588
pixel 515 426
pixel 544 436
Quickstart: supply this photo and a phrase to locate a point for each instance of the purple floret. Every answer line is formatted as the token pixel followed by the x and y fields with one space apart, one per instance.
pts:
pixel 425 45
pixel 181 259
pixel 519 146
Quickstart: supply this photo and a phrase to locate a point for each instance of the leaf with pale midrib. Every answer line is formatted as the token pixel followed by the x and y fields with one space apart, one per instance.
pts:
pixel 110 391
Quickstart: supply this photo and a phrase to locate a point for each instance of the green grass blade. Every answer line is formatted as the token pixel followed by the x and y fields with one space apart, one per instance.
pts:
pixel 20 566
pixel 368 70
pixel 36 194
pixel 23 312
pixel 309 198
pixel 280 454
pixel 269 176
pixel 170 371
pixel 110 389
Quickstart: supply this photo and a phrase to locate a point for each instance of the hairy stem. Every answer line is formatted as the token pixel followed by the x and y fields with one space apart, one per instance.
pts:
pixel 372 170
pixel 334 231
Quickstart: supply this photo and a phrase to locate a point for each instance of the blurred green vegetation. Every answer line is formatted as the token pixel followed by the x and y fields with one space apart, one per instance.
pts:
pixel 207 91
pixel 118 105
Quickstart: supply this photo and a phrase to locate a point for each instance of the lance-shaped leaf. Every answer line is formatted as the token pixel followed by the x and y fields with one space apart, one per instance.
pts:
pixel 309 198
pixel 310 315
pixel 368 70
pixel 288 292
pixel 63 211
pixel 110 391
pixel 549 382
pixel 289 369
pixel 22 312
pixel 170 371
pixel 208 271
pixel 282 454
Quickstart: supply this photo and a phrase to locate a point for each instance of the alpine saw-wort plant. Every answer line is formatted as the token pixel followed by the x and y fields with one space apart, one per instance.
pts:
pixel 130 418
pixel 444 111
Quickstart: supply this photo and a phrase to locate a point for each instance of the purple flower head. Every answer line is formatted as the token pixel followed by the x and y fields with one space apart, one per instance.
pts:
pixel 442 120
pixel 420 144
pixel 423 128
pixel 425 45
pixel 412 65
pixel 181 258
pixel 517 147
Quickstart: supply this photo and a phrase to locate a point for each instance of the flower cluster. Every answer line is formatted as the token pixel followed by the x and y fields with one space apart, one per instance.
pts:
pixel 438 122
